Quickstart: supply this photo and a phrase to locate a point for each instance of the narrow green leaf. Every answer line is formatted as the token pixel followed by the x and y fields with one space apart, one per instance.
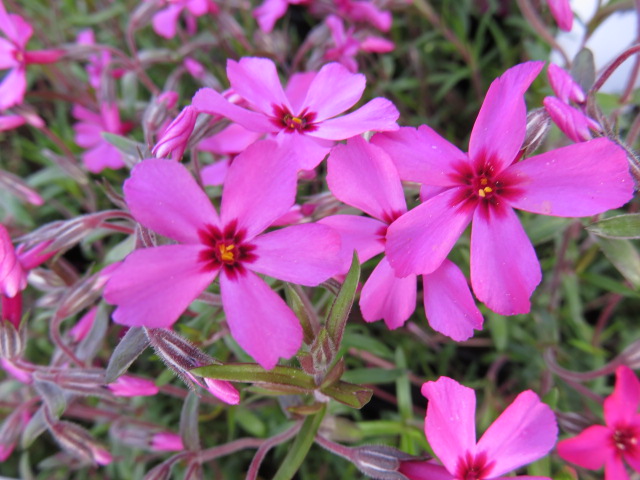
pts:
pixel 625 257
pixel 621 227
pixel 133 343
pixel 127 146
pixel 583 70
pixel 189 423
pixel 53 396
pixel 352 395
pixel 251 372
pixel 344 301
pixel 300 448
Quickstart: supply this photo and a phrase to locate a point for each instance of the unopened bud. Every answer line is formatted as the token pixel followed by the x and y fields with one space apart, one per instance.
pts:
pixel 11 339
pixel 11 430
pixel 538 125
pixel 18 372
pixel 173 141
pixel 83 327
pixel 564 86
pixel 79 443
pixel 16 186
pixel 84 294
pixel 380 461
pixel 162 471
pixel 573 123
pixel 166 442
pixel 158 110
pixel 129 386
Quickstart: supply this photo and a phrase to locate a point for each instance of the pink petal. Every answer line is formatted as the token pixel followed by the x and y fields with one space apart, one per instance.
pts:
pixel 420 240
pixel 575 181
pixel 207 100
pixel 81 113
pixel 7 54
pixel 614 469
pixel 306 151
pixel 621 406
pixel 363 234
pixel 88 135
pixel 9 122
pixel 306 254
pixel 223 390
pixel 13 278
pixel 366 11
pixel 6 23
pixel 421 155
pixel 256 80
pixel 571 121
pixel 260 187
pixel 297 88
pixel 165 22
pixel 215 174
pixel 163 196
pixel 23 31
pixel 198 7
pixel 102 156
pixel 387 297
pixel 153 286
pixel 377 45
pixel 129 386
pixel 563 84
pixel 259 320
pixel 269 12
pixel 448 304
pixel 525 432
pixel 42 57
pixel 12 88
pixel 504 267
pixel 561 11
pixel 450 424
pixel 230 141
pixel 590 449
pixel 333 91
pixel 378 115
pixel 500 127
pixel 363 176
pixel 424 471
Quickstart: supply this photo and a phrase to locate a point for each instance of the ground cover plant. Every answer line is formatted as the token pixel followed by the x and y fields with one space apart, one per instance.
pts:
pixel 318 239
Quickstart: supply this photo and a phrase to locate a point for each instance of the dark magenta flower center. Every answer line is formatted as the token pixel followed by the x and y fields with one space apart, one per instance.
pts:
pixel 302 122
pixel 226 249
pixel 625 439
pixel 472 467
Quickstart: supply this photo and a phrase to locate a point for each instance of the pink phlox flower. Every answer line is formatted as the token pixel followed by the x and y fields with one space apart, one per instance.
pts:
pixel 15 264
pixel 268 13
pixel 364 11
pixel 166 442
pixel 562 14
pixel 610 445
pixel 15 56
pixel 130 386
pixel 363 176
pixel 525 432
pixel 153 286
pixel 228 143
pixel 165 22
pixel 486 184
pixel 98 63
pixel 88 134
pixel 348 44
pixel 304 117
pixel 573 121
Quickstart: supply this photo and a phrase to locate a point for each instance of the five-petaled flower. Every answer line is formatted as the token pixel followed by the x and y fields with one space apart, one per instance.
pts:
pixel 523 433
pixel 486 184
pixel 155 285
pixel 608 445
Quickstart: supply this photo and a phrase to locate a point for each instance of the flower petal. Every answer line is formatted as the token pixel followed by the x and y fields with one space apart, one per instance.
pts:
pixel 504 267
pixel 259 320
pixel 260 187
pixel 13 279
pixel 153 286
pixel 419 240
pixel 500 127
pixel 333 91
pixel 450 425
pixel 575 181
pixel 562 14
pixel 378 115
pixel 571 121
pixel 163 196
pixel 256 80
pixel 269 12
pixel 523 433
pixel 387 297
pixel 424 471
pixel 421 155
pixel 306 151
pixel 363 176
pixel 590 449
pixel 13 87
pixel 103 155
pixel 621 406
pixel 165 22
pixel 306 254
pixel 297 89
pixel 448 303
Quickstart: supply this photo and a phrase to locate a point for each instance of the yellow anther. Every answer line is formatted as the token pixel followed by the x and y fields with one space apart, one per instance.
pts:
pixel 296 120
pixel 481 193
pixel 488 189
pixel 484 181
pixel 226 252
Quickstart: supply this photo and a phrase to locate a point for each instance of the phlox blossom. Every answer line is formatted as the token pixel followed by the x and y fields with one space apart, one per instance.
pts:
pixel 165 22
pixel 610 445
pixel 153 286
pixel 486 184
pixel 363 176
pixel 14 55
pixel 304 117
pixel 268 13
pixel 523 433
pixel 562 14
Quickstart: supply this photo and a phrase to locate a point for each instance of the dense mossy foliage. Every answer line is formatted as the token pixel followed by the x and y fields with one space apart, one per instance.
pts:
pixel 246 240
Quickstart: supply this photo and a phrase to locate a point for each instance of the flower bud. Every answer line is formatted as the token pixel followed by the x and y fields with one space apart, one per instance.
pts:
pixel 158 110
pixel 79 443
pixel 11 338
pixel 11 430
pixel 564 86
pixel 538 125
pixel 380 461
pixel 16 186
pixel 166 442
pixel 573 123
pixel 129 386
pixel 173 141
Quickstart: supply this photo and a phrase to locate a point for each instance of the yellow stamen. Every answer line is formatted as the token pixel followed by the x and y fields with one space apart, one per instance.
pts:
pixel 481 193
pixel 488 189
pixel 226 252
pixel 484 181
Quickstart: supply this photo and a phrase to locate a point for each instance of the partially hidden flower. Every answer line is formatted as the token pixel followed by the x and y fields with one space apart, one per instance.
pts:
pixel 616 442
pixel 364 11
pixel 304 117
pixel 363 176
pixel 15 56
pixel 525 432
pixel 268 13
pixel 562 14
pixel 165 22
pixel 100 153
pixel 486 184
pixel 153 286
